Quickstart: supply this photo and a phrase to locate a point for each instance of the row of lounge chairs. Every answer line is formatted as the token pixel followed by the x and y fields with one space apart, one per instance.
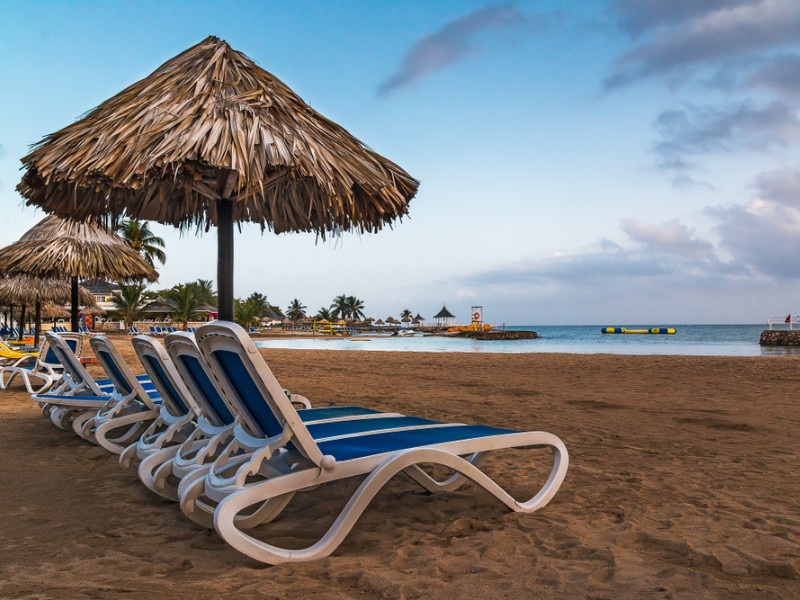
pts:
pixel 157 330
pixel 210 427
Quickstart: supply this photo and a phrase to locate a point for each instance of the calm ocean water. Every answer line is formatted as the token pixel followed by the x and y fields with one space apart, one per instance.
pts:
pixel 698 340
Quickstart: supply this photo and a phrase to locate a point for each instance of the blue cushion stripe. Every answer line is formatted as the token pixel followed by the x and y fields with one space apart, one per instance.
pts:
pixel 166 384
pixel 246 389
pixel 308 415
pixel 109 363
pixel 324 430
pixel 213 401
pixel 369 445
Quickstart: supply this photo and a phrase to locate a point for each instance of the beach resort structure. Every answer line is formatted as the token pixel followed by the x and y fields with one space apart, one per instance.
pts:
pixel 444 317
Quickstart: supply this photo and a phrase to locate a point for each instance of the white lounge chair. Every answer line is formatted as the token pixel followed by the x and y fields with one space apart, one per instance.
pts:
pixel 46 368
pixel 241 371
pixel 129 412
pixel 215 427
pixel 77 396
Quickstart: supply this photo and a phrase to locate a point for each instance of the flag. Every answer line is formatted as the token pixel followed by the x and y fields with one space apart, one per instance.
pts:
pixel 788 318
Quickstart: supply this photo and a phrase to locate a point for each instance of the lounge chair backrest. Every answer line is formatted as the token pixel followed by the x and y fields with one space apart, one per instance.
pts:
pixel 118 370
pixel 191 367
pixel 70 362
pixel 165 377
pixel 48 356
pixel 249 384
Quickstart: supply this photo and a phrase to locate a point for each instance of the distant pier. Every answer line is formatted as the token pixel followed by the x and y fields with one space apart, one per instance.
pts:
pixel 496 334
pixel 780 337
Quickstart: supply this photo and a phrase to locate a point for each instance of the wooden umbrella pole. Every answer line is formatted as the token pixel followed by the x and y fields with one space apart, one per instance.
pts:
pixel 74 301
pixel 22 323
pixel 37 323
pixel 225 259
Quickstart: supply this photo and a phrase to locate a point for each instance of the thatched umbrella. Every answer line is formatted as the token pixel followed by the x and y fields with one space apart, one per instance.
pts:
pixel 210 138
pixel 25 289
pixel 53 311
pixel 60 248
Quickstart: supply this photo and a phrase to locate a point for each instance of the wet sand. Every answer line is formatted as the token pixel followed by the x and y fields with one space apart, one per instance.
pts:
pixel 683 483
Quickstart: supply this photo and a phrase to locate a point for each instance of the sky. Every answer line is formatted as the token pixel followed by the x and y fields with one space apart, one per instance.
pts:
pixel 581 162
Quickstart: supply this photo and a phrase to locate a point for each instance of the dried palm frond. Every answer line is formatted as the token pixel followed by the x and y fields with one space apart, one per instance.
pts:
pixel 24 289
pixel 57 247
pixel 210 124
pixel 53 311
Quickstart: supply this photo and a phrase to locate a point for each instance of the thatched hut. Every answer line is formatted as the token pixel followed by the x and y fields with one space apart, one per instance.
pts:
pixel 210 138
pixel 27 290
pixel 57 247
pixel 443 316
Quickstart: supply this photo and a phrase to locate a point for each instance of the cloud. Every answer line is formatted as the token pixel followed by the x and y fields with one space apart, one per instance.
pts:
pixel 668 238
pixel 456 41
pixel 780 74
pixel 688 37
pixel 638 16
pixel 695 130
pixel 762 234
pixel 781 186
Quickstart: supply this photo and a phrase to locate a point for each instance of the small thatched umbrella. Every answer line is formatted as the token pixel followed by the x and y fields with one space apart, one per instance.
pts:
pixel 54 311
pixel 25 289
pixel 60 248
pixel 210 138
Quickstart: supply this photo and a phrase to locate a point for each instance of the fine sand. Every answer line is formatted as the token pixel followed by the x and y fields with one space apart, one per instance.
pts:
pixel 683 483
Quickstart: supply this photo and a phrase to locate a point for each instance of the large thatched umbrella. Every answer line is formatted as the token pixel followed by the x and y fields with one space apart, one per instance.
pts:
pixel 25 289
pixel 58 247
pixel 210 138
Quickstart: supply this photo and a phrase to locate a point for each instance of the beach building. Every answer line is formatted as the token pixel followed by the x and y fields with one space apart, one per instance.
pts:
pixel 102 291
pixel 444 317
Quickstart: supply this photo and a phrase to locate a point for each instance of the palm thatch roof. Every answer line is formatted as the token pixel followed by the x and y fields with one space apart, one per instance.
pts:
pixel 444 314
pixel 208 125
pixel 53 311
pixel 57 247
pixel 24 289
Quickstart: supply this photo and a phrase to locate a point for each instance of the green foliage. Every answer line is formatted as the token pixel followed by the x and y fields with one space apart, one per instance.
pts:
pixel 296 311
pixel 347 307
pixel 324 314
pixel 129 302
pixel 186 300
pixel 141 239
pixel 247 312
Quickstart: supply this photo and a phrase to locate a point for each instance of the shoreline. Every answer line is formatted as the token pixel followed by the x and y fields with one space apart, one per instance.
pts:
pixel 681 484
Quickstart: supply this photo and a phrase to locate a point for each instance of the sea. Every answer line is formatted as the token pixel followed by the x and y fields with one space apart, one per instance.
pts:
pixel 689 340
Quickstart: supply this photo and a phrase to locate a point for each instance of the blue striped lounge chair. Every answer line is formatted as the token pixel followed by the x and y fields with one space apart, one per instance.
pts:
pixel 46 370
pixel 120 423
pixel 75 400
pixel 337 452
pixel 217 425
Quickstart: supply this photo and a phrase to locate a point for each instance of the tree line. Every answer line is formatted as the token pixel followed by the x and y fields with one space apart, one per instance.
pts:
pixel 186 301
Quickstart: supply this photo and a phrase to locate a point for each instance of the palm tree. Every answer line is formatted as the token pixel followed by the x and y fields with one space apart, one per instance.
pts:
pixel 260 304
pixel 246 313
pixel 205 289
pixel 186 301
pixel 355 308
pixel 339 307
pixel 406 314
pixel 324 314
pixel 129 302
pixel 296 311
pixel 141 239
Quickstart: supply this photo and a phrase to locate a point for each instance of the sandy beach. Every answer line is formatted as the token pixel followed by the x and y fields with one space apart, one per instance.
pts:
pixel 682 484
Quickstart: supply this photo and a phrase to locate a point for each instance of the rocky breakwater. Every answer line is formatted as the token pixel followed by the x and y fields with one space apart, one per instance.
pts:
pixel 497 334
pixel 780 337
